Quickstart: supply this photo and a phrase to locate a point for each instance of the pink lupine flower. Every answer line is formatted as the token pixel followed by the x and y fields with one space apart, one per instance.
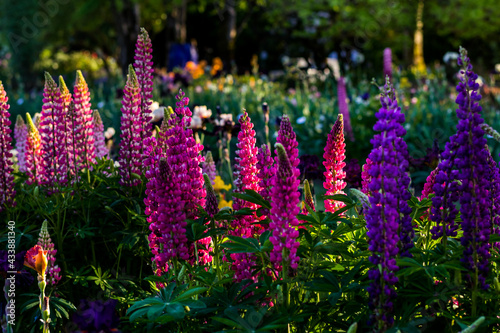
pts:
pixel 85 149
pixel 209 167
pixel 308 198
pixel 162 137
pixel 46 243
pixel 211 203
pixel 429 184
pixel 245 179
pixel 20 134
pixel 267 170
pixel 51 139
pixel 130 147
pixel 33 153
pixel 67 142
pixel 288 138
pixel 387 62
pixel 365 176
pixel 284 209
pixel 7 192
pixel 344 108
pixel 334 163
pixel 143 66
pixel 99 140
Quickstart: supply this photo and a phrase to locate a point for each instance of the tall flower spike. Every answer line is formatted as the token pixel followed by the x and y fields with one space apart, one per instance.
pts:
pixel 143 66
pixel 388 62
pixel 211 204
pixel 46 243
pixel 266 168
pixel 388 219
pixel 99 139
pixel 429 184
pixel 365 176
pixel 65 127
pixel 7 192
pixel 50 136
pixel 334 163
pixel 33 153
pixel 308 198
pixel 20 134
pixel 85 129
pixel 344 108
pixel 209 167
pixel 288 138
pixel 495 194
pixel 162 138
pixel 284 209
pixel 130 147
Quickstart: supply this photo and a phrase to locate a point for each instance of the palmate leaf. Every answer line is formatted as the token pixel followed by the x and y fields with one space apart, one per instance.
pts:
pixel 253 197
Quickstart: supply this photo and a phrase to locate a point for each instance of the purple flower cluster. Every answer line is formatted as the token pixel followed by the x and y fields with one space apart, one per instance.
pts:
pixel 495 194
pixel 284 209
pixel 267 170
pixel 334 163
pixel 388 219
pixel 46 243
pixel 20 134
pixel 388 62
pixel 7 191
pixel 101 150
pixel 130 147
pixel 344 108
pixel 208 167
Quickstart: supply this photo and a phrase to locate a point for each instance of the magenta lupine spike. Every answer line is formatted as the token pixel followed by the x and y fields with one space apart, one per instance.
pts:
pixel 344 108
pixel 65 125
pixel 130 147
pixel 211 204
pixel 288 138
pixel 7 191
pixel 208 167
pixel 429 184
pixel 33 153
pixel 143 66
pixel 99 139
pixel 365 176
pixel 308 198
pixel 334 163
pixel 266 168
pixel 285 200
pixel 388 62
pixel 20 134
pixel 50 136
pixel 84 131
pixel 162 137
pixel 245 178
pixel 46 243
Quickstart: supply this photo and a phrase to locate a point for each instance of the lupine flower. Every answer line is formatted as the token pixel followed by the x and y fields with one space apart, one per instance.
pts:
pixel 245 179
pixel 130 147
pixel 308 198
pixel 67 141
pixel 429 184
pixel 344 108
pixel 334 163
pixel 46 243
pixel 33 153
pixel 20 134
pixel 465 174
pixel 162 138
pixel 284 209
pixel 288 138
pixel 7 192
pixel 211 204
pixel 49 135
pixel 388 219
pixel 85 148
pixel 387 62
pixel 266 168
pixel 36 258
pixel 208 167
pixel 100 144
pixel 495 194
pixel 143 66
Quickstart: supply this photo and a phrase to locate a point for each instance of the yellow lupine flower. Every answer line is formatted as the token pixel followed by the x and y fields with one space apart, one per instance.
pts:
pixel 219 185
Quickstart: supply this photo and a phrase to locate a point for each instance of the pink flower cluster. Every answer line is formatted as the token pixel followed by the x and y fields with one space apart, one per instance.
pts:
pixel 334 163
pixel 84 129
pixel 46 243
pixel 33 153
pixel 101 150
pixel 7 192
pixel 20 134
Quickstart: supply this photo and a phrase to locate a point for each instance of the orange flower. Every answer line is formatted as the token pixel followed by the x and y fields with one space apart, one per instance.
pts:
pixel 36 258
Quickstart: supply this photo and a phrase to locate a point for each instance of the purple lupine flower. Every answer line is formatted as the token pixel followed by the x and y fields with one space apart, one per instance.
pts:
pixel 130 147
pixel 266 168
pixel 46 243
pixel 99 140
pixel 334 163
pixel 388 219
pixel 495 195
pixel 288 138
pixel 245 178
pixel 33 153
pixel 7 192
pixel 365 176
pixel 284 209
pixel 50 136
pixel 20 134
pixel 143 66
pixel 208 167
pixel 344 108
pixel 308 198
pixel 466 160
pixel 211 204
pixel 388 62
pixel 429 184
pixel 66 123
pixel 85 148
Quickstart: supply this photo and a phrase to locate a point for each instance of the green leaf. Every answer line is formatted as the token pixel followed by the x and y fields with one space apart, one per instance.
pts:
pixel 253 197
